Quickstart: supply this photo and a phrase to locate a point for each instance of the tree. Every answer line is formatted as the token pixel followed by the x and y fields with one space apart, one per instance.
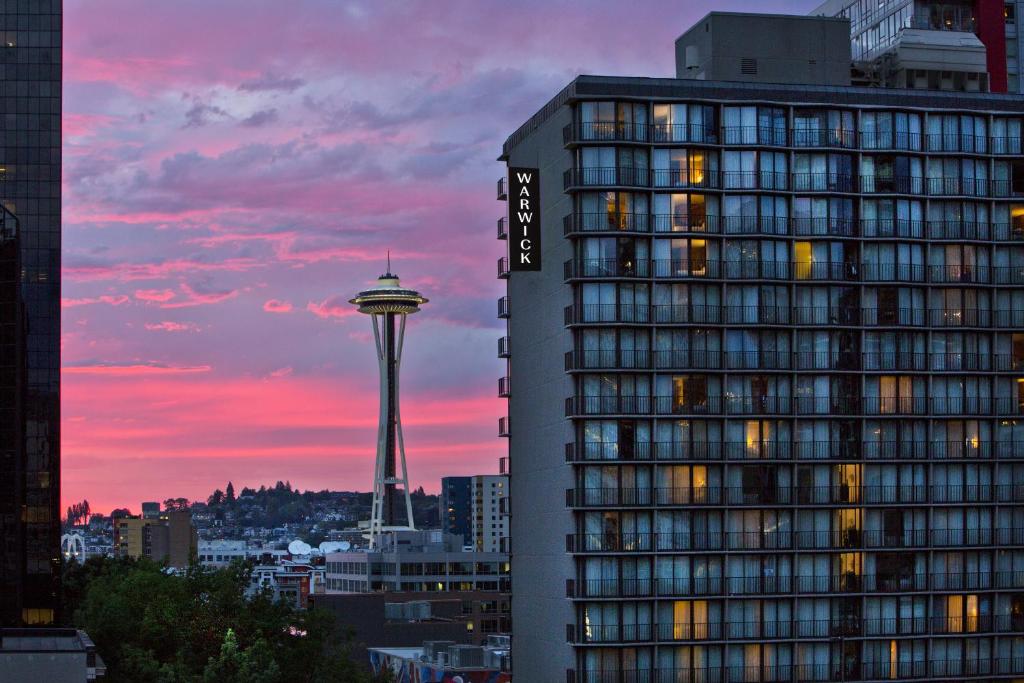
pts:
pixel 78 513
pixel 235 665
pixel 153 627
pixel 216 498
pixel 176 504
pixel 230 493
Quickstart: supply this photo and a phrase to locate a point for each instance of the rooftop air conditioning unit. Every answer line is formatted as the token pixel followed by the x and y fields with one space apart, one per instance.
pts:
pixel 466 656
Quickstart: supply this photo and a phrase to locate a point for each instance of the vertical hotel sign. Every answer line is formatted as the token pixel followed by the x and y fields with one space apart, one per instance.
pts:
pixel 524 219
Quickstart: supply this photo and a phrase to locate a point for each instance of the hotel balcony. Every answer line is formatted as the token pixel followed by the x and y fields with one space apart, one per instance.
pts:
pixel 851 539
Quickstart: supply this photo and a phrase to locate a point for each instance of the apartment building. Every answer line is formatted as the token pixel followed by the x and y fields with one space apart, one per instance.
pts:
pixel 768 356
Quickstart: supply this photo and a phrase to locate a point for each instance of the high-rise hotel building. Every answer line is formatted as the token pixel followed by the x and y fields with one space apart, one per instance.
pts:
pixel 766 388
pixel 30 177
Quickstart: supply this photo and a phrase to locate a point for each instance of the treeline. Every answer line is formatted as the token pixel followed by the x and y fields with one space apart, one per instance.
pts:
pixel 151 626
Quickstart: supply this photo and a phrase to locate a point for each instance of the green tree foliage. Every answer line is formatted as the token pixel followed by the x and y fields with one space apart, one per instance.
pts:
pixel 153 626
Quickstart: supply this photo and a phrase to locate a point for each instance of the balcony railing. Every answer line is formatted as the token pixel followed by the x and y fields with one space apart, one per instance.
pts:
pixel 823 226
pixel 503 308
pixel 504 347
pixel 503 426
pixel 503 228
pixel 957 142
pixel 705 450
pixel 606 131
pixel 605 222
pixel 607 313
pixel 771 136
pixel 733 404
pixel 894 140
pixel 646 542
pixel 605 267
pixel 607 177
pixel 503 387
pixel 503 270
pixel 823 137
pixel 770 584
pixel 684 132
pixel 502 189
pixel 624 359
pixel 868 494
pixel 931 670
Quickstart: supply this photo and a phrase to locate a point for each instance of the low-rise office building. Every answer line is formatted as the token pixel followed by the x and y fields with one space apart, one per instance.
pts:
pixel 170 538
pixel 424 561
pixel 220 553
pixel 289 581
pixel 49 655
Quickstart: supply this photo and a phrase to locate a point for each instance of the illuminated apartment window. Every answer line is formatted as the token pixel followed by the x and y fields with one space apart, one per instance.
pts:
pixel 698 213
pixel 35 617
pixel 1017 220
pixel 690 392
pixel 848 524
pixel 690 620
pixel 850 568
pixel 896 393
pixel 848 478
pixel 962 613
pixel 802 260
pixel 754 438
pixel 698 165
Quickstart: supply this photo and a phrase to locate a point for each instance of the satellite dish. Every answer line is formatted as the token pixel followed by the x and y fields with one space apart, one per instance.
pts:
pixel 344 546
pixel 298 547
pixel 330 547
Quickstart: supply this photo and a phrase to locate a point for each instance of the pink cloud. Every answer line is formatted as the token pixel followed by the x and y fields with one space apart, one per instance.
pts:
pixel 155 270
pixel 86 301
pixel 132 370
pixel 331 307
pixel 277 306
pixel 170 326
pixel 158 295
pixel 198 298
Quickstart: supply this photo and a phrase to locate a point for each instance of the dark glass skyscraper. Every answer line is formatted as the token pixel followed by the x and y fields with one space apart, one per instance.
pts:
pixel 30 176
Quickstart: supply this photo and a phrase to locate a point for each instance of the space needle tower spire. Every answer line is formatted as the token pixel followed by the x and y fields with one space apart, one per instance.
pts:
pixel 388 304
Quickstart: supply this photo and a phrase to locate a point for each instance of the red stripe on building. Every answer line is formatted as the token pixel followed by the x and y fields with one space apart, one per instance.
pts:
pixel 991 23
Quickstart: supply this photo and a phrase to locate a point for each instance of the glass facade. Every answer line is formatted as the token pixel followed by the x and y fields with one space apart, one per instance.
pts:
pixel 30 176
pixel 798 407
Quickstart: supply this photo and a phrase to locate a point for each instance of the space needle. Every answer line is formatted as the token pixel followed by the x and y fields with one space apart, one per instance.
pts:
pixel 388 304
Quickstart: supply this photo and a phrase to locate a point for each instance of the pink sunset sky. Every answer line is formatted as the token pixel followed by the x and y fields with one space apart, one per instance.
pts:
pixel 234 171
